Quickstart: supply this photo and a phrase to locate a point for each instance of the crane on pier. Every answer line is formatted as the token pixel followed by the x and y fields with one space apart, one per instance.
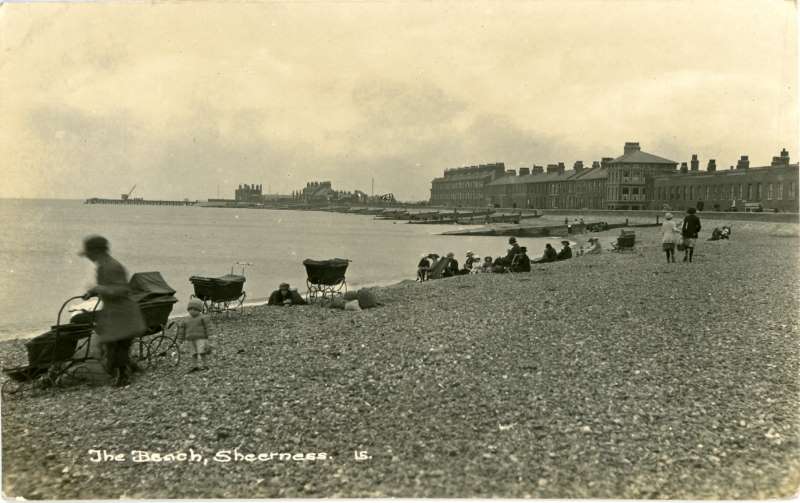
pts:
pixel 126 196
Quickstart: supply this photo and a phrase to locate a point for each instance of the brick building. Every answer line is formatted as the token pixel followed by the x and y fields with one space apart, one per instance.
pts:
pixel 635 180
pixel 773 187
pixel 629 185
pixel 465 186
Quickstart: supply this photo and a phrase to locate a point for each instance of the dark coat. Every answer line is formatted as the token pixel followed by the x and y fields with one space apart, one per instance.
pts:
pixel 451 269
pixel 276 298
pixel 522 263
pixel 564 254
pixel 550 255
pixel 120 319
pixel 691 226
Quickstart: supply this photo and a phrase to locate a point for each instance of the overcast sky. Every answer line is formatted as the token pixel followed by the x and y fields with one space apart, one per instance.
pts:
pixel 183 98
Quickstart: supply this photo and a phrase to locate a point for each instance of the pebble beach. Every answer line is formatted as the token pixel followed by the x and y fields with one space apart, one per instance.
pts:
pixel 606 376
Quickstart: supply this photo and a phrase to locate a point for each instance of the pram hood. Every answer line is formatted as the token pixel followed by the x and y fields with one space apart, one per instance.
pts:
pixel 147 287
pixel 334 262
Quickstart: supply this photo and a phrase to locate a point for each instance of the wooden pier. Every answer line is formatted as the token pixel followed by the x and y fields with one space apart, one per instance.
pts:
pixel 139 202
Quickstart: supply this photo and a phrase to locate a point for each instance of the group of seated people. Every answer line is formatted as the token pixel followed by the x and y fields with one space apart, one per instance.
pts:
pixel 516 259
pixel 723 233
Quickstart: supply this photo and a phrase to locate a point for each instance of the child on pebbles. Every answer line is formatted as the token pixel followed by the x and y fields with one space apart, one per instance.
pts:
pixel 196 330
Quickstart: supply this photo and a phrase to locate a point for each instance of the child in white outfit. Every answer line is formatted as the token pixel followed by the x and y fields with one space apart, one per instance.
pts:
pixel 196 330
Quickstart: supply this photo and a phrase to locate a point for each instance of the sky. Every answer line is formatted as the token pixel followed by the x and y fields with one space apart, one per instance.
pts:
pixel 191 99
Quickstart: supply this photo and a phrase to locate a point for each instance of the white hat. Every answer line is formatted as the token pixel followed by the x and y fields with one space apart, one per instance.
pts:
pixel 668 216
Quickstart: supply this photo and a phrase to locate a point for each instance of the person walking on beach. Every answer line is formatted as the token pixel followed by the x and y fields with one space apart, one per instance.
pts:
pixel 120 320
pixel 669 234
pixel 691 226
pixel 196 330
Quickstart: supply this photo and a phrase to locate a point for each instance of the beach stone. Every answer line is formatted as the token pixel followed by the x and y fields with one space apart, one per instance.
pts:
pixel 367 299
pixel 338 303
pixel 352 306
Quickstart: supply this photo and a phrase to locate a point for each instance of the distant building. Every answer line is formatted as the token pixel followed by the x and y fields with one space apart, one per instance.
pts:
pixel 636 180
pixel 772 187
pixel 465 186
pixel 248 194
pixel 630 178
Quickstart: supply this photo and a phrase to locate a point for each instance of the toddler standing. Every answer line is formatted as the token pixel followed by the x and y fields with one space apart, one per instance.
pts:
pixel 196 330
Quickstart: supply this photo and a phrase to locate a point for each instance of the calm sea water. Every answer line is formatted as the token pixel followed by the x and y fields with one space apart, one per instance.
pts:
pixel 41 238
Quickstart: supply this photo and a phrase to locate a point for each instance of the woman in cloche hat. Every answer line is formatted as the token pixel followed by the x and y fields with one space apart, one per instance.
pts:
pixel 120 320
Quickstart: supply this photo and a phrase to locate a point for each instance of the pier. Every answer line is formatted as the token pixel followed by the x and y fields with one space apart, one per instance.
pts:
pixel 140 202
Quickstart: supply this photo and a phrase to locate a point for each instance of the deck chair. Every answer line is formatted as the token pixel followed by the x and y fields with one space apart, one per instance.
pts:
pixel 625 241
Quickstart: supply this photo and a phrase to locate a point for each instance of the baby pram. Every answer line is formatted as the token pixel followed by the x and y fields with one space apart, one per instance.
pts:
pixel 156 300
pixel 325 278
pixel 54 357
pixel 221 294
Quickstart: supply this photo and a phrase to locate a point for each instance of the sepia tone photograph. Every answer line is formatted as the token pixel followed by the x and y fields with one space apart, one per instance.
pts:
pixel 415 249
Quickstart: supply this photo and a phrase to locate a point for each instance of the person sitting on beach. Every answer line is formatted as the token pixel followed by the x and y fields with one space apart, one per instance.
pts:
pixel 521 262
pixel 486 266
pixel 594 247
pixel 451 268
pixel 716 234
pixel 506 261
pixel 285 296
pixel 469 262
pixel 566 251
pixel 550 255
pixel 423 267
pixel 196 329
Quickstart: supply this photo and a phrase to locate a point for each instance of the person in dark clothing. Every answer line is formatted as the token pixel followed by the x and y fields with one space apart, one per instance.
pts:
pixel 521 263
pixel 285 296
pixel 451 269
pixel 506 261
pixel 423 267
pixel 550 254
pixel 120 320
pixel 691 226
pixel 566 251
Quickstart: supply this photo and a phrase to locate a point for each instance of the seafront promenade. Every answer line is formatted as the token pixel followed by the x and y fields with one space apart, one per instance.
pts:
pixel 611 376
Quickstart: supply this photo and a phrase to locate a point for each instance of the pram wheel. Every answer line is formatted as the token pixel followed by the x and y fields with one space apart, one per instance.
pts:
pixel 12 389
pixel 163 351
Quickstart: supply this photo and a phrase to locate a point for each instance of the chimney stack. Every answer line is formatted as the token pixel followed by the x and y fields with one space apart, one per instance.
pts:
pixel 578 166
pixel 605 161
pixel 538 170
pixel 595 164
pixel 695 163
pixel 743 163
pixel 524 171
pixel 684 168
pixel 632 146
pixel 511 172
pixel 712 165
pixel 782 160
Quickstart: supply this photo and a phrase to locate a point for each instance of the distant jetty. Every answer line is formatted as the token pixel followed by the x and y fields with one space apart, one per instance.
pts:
pixel 140 202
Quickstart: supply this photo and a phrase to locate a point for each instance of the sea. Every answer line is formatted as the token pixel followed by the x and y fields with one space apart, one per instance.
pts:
pixel 40 268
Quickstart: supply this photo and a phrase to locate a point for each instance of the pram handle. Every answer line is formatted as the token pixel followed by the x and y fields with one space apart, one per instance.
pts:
pixel 60 311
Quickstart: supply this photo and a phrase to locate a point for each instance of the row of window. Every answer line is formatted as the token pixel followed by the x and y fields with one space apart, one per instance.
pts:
pixel 742 191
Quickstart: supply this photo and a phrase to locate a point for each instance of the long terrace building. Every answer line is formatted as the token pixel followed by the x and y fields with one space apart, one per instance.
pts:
pixel 633 181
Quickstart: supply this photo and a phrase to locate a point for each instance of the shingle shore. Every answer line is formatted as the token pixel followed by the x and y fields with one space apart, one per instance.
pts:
pixel 614 376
